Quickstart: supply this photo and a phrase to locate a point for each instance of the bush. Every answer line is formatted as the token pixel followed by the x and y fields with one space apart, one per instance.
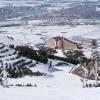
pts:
pixel 29 85
pixel 74 54
pixel 90 85
pixel 20 85
pixel 38 73
pixel 11 46
pixel 51 51
pixel 87 85
pixel 35 85
pixel 93 85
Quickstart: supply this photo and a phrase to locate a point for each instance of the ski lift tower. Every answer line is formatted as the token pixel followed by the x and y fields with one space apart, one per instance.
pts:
pixel 96 57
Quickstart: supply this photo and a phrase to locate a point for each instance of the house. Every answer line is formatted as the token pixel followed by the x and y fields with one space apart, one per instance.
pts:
pixel 59 42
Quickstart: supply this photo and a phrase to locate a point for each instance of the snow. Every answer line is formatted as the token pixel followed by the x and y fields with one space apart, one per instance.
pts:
pixel 95 34
pixel 61 86
pixel 40 67
pixel 59 53
pixel 33 35
pixel 51 30
pixel 97 8
pixel 21 39
pixel 20 3
pixel 87 53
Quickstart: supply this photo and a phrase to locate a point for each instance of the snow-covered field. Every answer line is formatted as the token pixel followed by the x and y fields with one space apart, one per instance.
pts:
pixel 37 34
pixel 20 3
pixel 60 86
pixel 51 30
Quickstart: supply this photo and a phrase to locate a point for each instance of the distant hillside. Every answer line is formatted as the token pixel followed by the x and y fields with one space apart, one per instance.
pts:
pixel 48 9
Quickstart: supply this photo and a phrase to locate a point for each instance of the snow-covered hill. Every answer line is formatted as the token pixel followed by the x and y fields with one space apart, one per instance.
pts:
pixel 61 86
pixel 11 56
pixel 21 39
pixel 58 83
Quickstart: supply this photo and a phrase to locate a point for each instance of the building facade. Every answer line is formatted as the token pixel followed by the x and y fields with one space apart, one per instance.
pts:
pixel 60 43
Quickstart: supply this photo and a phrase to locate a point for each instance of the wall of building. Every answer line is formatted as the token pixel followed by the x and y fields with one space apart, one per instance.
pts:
pixel 69 45
pixel 51 43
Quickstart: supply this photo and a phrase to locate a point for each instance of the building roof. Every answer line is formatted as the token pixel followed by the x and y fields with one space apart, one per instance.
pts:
pixel 59 37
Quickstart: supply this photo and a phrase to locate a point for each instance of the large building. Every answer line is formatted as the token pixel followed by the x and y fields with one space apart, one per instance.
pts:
pixel 60 43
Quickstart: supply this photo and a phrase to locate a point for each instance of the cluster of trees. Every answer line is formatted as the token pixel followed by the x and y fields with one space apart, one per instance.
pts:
pixel 43 54
pixel 74 54
pixel 39 55
pixel 72 61
pixel 20 71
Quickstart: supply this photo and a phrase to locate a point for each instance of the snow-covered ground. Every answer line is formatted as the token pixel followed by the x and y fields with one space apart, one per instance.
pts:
pixel 20 3
pixel 60 54
pixel 51 30
pixel 60 86
pixel 37 34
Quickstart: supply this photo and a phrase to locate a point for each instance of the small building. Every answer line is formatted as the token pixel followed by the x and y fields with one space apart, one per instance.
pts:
pixel 90 43
pixel 87 42
pixel 60 43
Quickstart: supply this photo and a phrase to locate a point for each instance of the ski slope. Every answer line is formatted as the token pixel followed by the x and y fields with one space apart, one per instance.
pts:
pixel 60 86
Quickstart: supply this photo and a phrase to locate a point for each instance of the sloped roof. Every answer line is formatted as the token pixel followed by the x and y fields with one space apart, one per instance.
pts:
pixel 59 37
pixel 71 41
